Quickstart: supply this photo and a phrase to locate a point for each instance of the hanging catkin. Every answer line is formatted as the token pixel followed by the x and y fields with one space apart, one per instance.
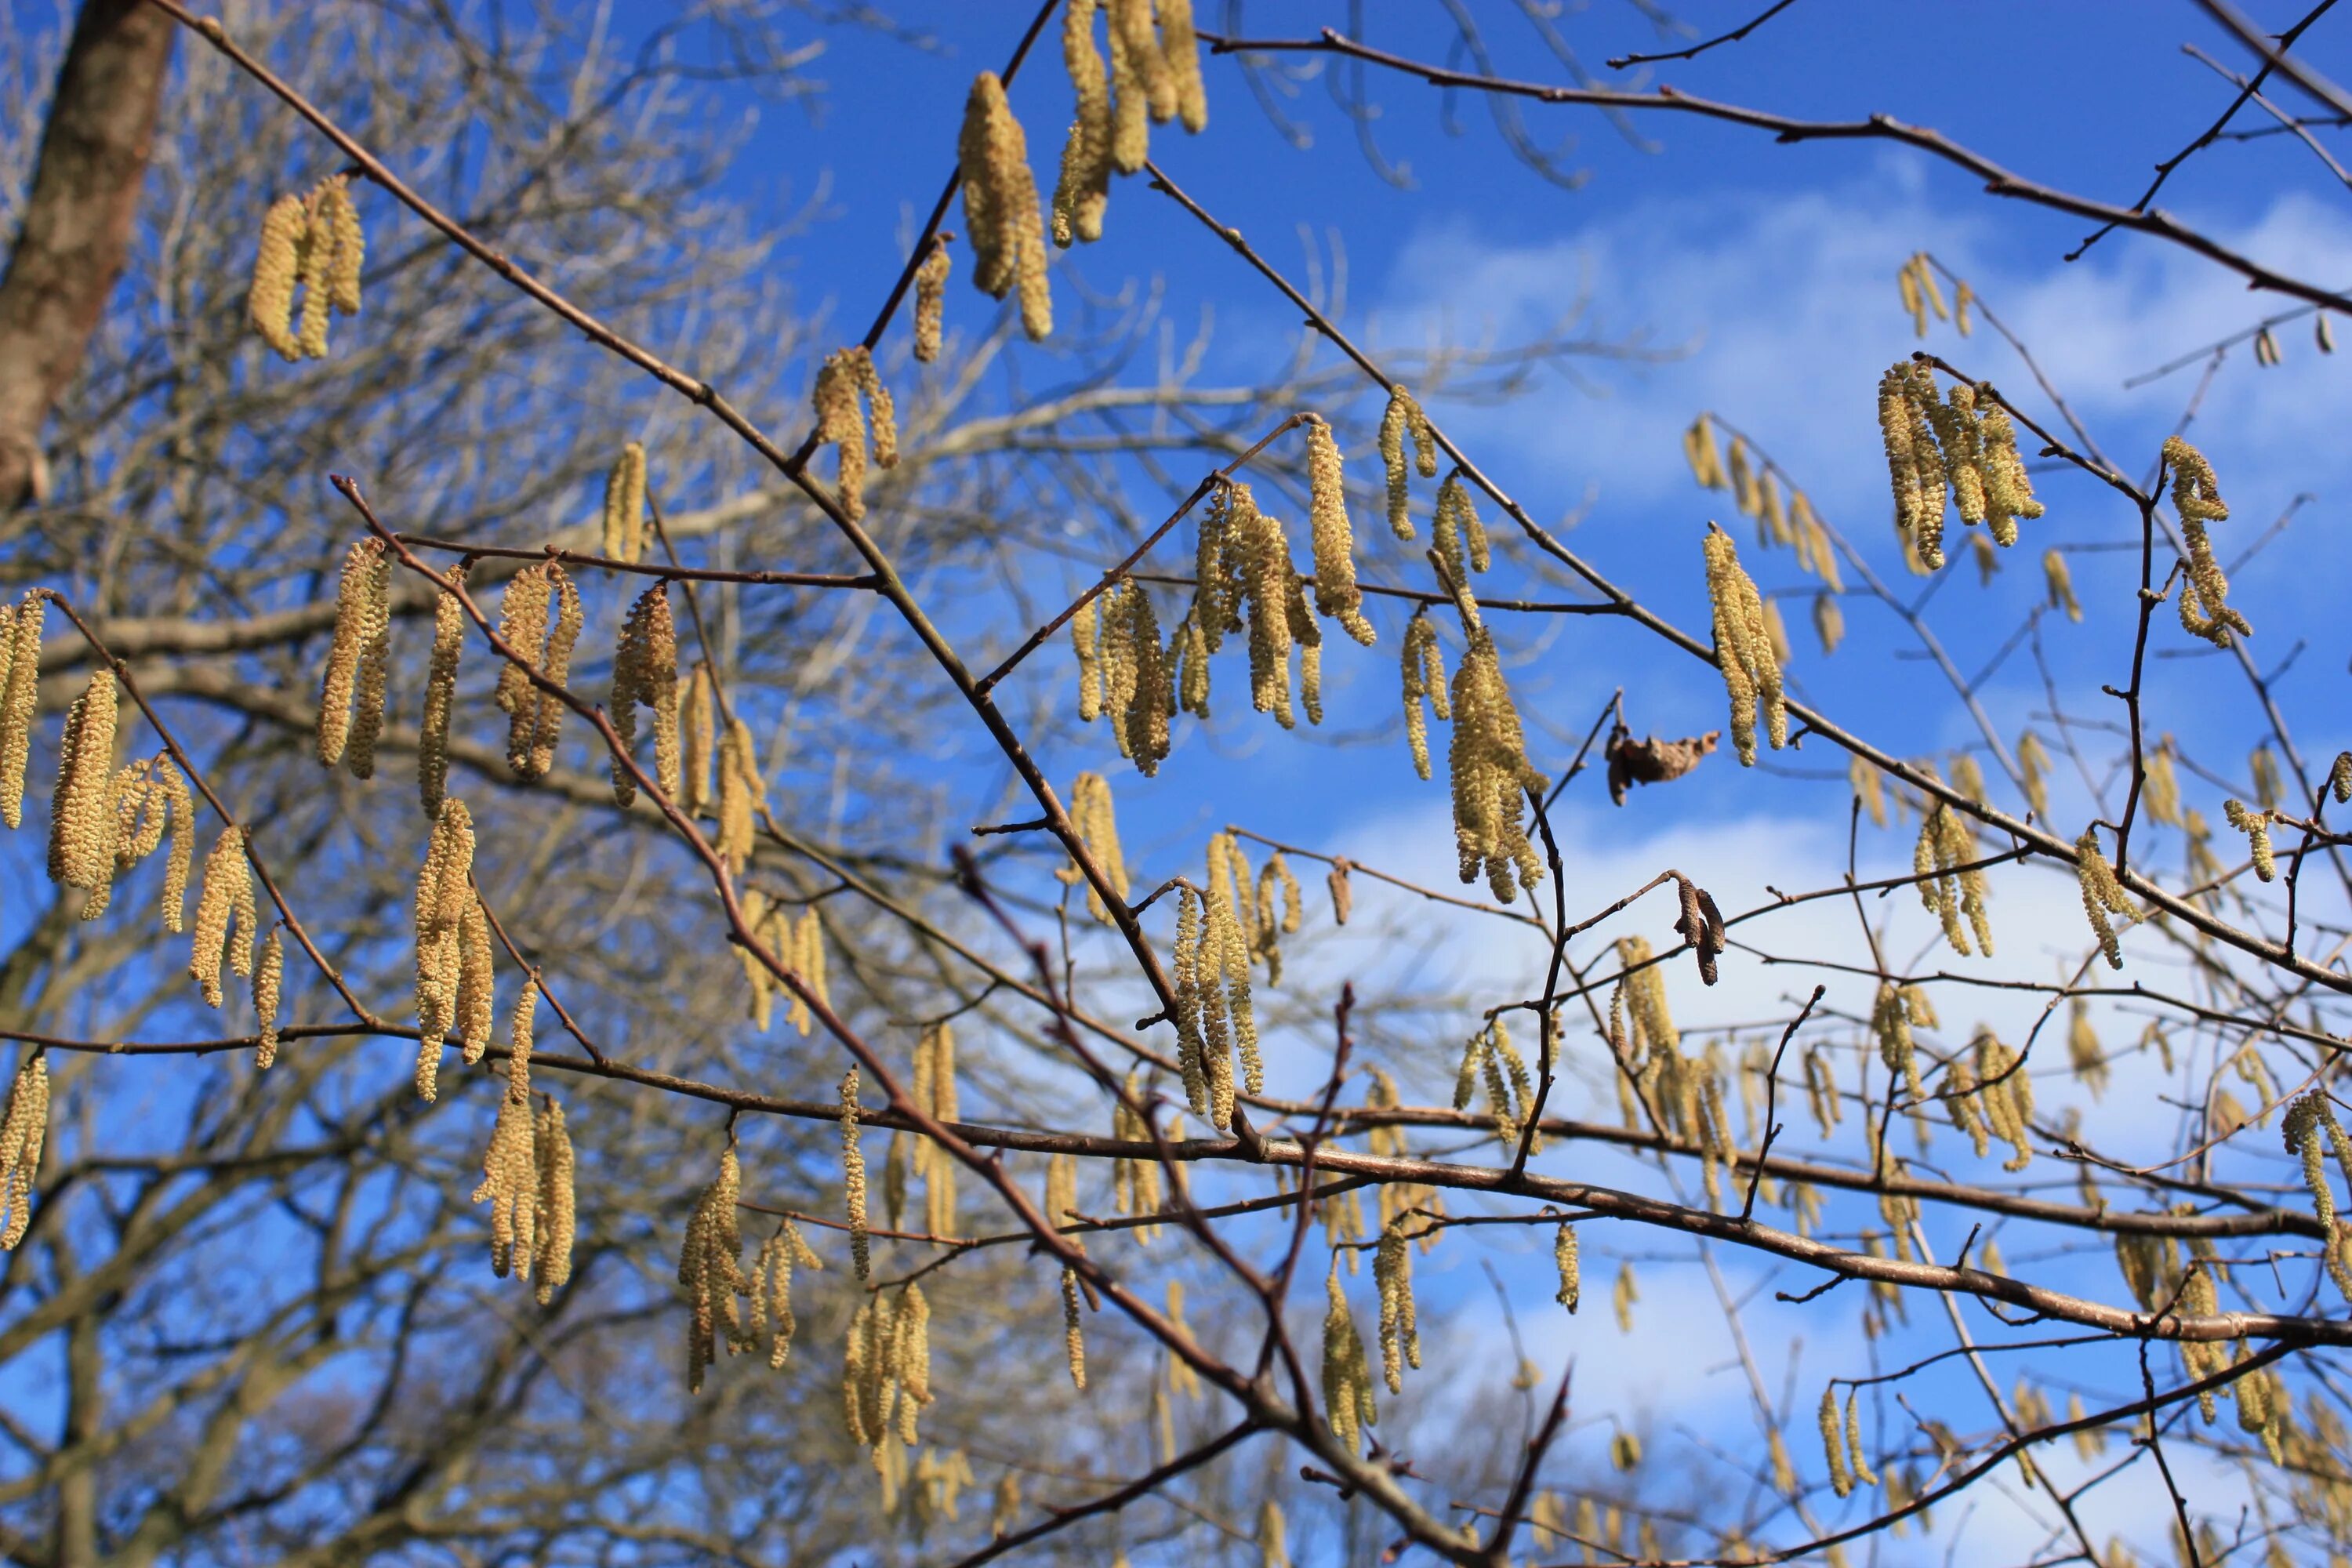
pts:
pixel 83 821
pixel 1336 594
pixel 2256 826
pixel 1405 417
pixel 2197 497
pixel 930 299
pixel 1950 886
pixel 2102 894
pixel 510 1170
pixel 1906 395
pixel 1423 667
pixel 19 700
pixel 225 896
pixel 1459 537
pixel 625 505
pixel 999 203
pixel 841 422
pixel 1098 825
pixel 1137 676
pixel 1564 1254
pixel 1347 1402
pixel 535 717
pixel 742 794
pixel 367 580
pixel 443 889
pixel 698 740
pixel 1400 1325
pixel 474 1008
pixel 853 1181
pixel 314 241
pixel 440 694
pixel 1490 774
pixel 709 1267
pixel 1743 649
pixel 23 1132
pixel 645 671
pixel 554 1220
pixel 935 1095
pixel 269 982
pixel 1084 190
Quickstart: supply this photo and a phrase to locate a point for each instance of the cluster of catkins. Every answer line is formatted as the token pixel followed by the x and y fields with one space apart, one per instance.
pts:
pixel 914 1157
pixel 313 242
pixel 1490 1058
pixel 1756 491
pixel 1992 1098
pixel 1154 74
pixel 540 617
pixel 1218 934
pixel 1744 649
pixel 1951 887
pixel 527 1174
pixel 454 977
pixel 1685 1095
pixel 105 819
pixel 798 945
pixel 728 1304
pixel 1092 814
pixel 1135 1184
pixel 2309 1122
pixel 2205 610
pixel 1965 441
pixel 886 1379
pixel 2102 895
pixel 1842 1442
pixel 847 376
pixel 1923 298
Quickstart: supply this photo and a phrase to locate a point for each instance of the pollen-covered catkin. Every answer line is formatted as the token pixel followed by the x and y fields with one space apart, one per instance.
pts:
pixel 510 1170
pixel 269 302
pixel 999 203
pixel 1744 649
pixel 535 594
pixel 698 740
pixel 1834 1443
pixel 1491 776
pixel 710 1265
pixel 226 891
pixel 440 695
pixel 1139 676
pixel 1423 667
pixel 625 505
pixel 84 825
pixel 269 982
pixel 2256 826
pixel 930 300
pixel 1092 814
pixel 742 792
pixel 1084 189
pixel 853 1181
pixel 846 376
pixel 1405 417
pixel 362 615
pixel 19 700
pixel 1400 1325
pixel 1564 1256
pixel 1914 466
pixel 1459 537
pixel 23 1132
pixel 1347 1402
pixel 645 671
pixel 2205 611
pixel 2102 894
pixel 554 1217
pixel 443 889
pixel 1336 594
pixel 1705 457
pixel 314 241
pixel 475 1010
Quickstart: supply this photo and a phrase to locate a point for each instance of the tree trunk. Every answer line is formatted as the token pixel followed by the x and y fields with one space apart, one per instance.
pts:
pixel 77 229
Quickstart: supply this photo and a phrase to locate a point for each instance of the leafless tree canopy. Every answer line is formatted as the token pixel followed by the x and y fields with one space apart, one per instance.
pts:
pixel 877 1157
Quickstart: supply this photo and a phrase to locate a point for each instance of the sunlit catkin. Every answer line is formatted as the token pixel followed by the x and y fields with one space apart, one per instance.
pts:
pixel 23 1132
pixel 269 982
pixel 1743 649
pixel 1336 594
pixel 554 1222
pixel 224 900
pixel 440 695
pixel 1914 466
pixel 1139 676
pixel 1423 667
pixel 19 700
pixel 510 1170
pixel 742 792
pixel 475 1010
pixel 443 891
pixel 2102 894
pixel 1405 417
pixel 1491 776
pixel 1564 1252
pixel 1458 535
pixel 1400 1323
pixel 1092 814
pixel 625 505
pixel 2256 826
pixel 1084 189
pixel 2197 497
pixel 367 577
pixel 709 1267
pixel 1700 450
pixel 538 618
pixel 930 300
pixel 269 300
pixel 83 822
pixel 841 422
pixel 645 671
pixel 698 740
pixel 999 203
pixel 1348 1400
pixel 853 1181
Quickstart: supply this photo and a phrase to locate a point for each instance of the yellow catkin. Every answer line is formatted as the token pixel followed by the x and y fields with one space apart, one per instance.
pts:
pixel 474 1009
pixel 842 423
pixel 269 302
pixel 554 1221
pixel 698 740
pixel 1906 395
pixel 2102 894
pixel 930 299
pixel 269 982
pixel 1348 1405
pixel 440 695
pixel 1400 1323
pixel 645 671
pixel 1404 418
pixel 1074 1342
pixel 1834 1444
pixel 1139 676
pixel 1180 46
pixel 443 891
pixel 1490 775
pixel 1336 594
pixel 1423 667
pixel 1951 887
pixel 742 792
pixel 1564 1257
pixel 354 596
pixel 83 822
pixel 625 505
pixel 2160 790
pixel 314 241
pixel 226 892
pixel 1084 189
pixel 2269 788
pixel 510 1170
pixel 23 1132
pixel 1459 537
pixel 2033 767
pixel 1861 777
pixel 1862 1470
pixel 1751 673
pixel 1085 641
pixel 1700 450
pixel 374 671
pixel 999 203
pixel 540 619
pixel 2256 826
pixel 853 1181
pixel 1092 814
pixel 710 1268
pixel 2205 611
pixel 2339 777
pixel 19 700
